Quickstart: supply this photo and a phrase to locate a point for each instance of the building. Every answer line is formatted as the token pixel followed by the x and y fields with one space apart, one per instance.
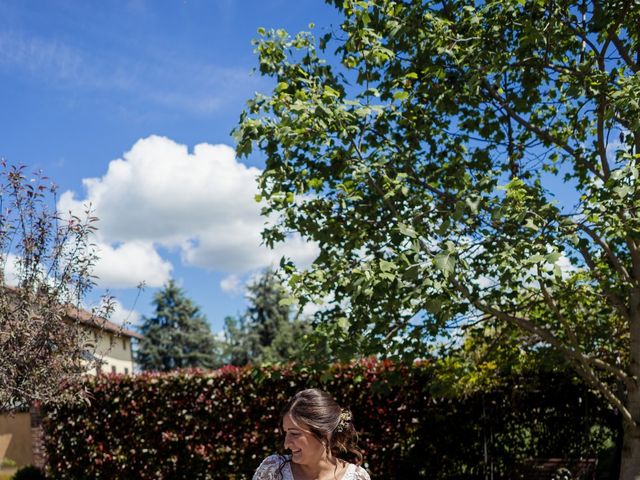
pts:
pixel 113 344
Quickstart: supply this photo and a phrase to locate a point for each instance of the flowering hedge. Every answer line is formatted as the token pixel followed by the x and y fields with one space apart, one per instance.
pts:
pixel 220 425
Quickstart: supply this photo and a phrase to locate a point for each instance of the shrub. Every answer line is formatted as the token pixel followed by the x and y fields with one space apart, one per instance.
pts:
pixel 7 463
pixel 29 472
pixel 201 425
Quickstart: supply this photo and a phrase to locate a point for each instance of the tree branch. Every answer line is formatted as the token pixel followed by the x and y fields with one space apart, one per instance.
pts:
pixel 615 261
pixel 619 373
pixel 591 377
pixel 616 301
pixel 556 310
pixel 538 131
pixel 635 258
pixel 620 47
pixel 602 149
pixel 580 360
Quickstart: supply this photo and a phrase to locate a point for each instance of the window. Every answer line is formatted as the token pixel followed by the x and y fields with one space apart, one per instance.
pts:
pixel 113 369
pixel 124 343
pixel 126 371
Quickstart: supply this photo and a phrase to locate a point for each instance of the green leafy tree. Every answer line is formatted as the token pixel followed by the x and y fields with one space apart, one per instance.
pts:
pixel 268 331
pixel 177 336
pixel 464 161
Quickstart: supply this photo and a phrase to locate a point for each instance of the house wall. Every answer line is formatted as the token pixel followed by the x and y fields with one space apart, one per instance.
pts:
pixel 15 438
pixel 114 350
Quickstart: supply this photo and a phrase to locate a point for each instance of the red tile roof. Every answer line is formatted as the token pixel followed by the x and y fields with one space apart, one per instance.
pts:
pixel 91 319
pixel 96 321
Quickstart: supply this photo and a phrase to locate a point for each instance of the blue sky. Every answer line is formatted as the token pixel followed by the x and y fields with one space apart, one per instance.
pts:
pixel 111 98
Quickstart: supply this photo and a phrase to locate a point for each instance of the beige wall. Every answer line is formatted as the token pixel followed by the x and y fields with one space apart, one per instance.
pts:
pixel 15 438
pixel 114 350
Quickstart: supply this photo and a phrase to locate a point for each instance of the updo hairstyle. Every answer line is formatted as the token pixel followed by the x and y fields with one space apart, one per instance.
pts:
pixel 330 424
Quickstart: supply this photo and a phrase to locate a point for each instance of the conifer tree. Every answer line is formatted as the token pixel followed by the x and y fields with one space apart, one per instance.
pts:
pixel 269 331
pixel 177 336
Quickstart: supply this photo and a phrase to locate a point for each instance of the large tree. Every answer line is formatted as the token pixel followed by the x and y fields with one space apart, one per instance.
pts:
pixel 46 263
pixel 269 330
pixel 462 161
pixel 177 335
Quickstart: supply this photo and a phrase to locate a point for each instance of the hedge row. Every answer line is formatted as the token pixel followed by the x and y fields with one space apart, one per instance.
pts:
pixel 220 425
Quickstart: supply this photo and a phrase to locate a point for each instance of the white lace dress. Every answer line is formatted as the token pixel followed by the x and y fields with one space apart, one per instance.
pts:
pixel 268 470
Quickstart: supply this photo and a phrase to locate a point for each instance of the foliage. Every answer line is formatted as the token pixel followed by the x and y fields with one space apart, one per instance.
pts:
pixel 268 331
pixel 221 424
pixel 465 161
pixel 29 472
pixel 177 336
pixel 7 462
pixel 46 260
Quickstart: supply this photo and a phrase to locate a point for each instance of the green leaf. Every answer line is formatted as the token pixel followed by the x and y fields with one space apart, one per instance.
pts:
pixel 535 258
pixel 445 262
pixel 406 230
pixel 529 224
pixel 401 95
pixel 412 272
pixel 286 301
pixel 473 204
pixel 386 266
pixel 343 323
pixel 553 257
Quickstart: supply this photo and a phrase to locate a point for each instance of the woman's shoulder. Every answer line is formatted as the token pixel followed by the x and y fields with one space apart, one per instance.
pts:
pixel 269 467
pixel 359 473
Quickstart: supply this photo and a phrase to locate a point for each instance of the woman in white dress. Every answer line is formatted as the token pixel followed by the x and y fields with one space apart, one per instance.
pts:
pixel 317 432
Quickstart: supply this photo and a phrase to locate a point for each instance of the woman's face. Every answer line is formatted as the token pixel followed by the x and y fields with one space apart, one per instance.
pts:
pixel 305 447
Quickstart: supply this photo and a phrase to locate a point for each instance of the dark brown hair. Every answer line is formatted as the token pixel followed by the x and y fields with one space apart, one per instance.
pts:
pixel 329 423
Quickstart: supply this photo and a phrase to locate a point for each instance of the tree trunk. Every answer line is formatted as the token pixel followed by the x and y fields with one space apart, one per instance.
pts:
pixel 630 461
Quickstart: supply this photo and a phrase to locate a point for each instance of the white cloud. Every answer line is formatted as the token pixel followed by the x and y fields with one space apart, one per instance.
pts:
pixel 10 269
pixel 199 203
pixel 35 54
pixel 231 284
pixel 129 264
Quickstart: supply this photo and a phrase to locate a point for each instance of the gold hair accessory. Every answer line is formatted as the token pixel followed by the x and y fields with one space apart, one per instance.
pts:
pixel 345 419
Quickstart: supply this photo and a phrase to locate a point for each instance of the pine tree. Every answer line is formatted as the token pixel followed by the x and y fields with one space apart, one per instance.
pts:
pixel 177 336
pixel 268 331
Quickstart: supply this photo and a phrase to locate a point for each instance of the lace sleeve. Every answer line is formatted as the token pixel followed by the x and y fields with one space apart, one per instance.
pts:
pixel 268 468
pixel 361 474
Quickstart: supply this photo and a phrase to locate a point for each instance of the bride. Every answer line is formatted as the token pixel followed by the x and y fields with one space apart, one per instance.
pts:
pixel 316 432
